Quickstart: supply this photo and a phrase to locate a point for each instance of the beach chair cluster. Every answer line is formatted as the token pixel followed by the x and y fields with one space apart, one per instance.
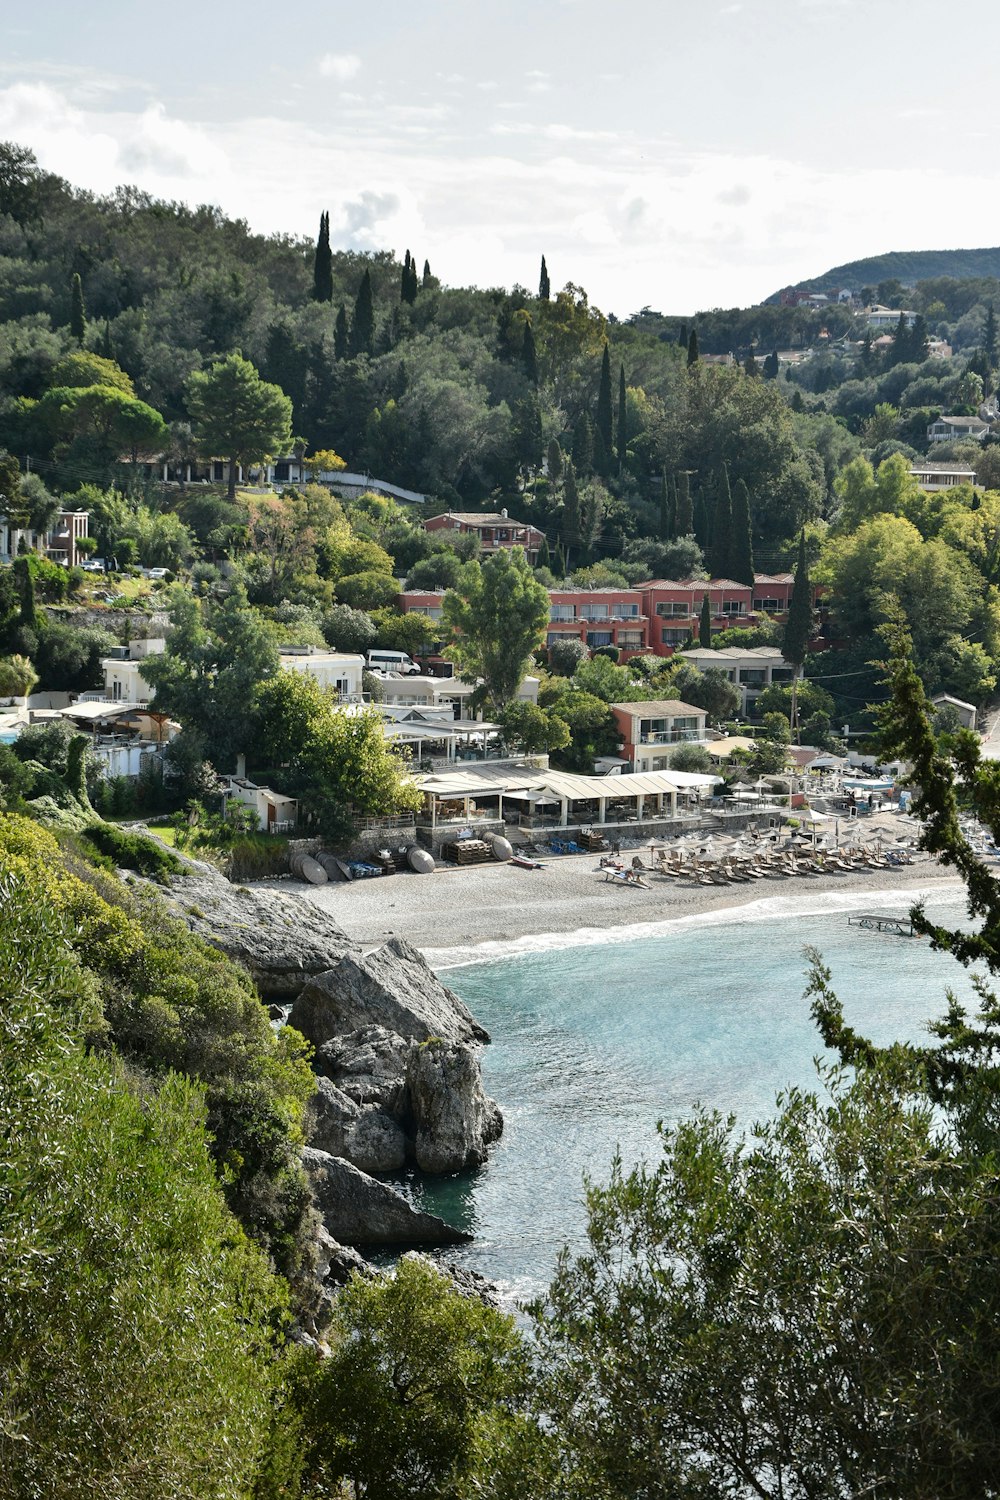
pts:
pixel 746 864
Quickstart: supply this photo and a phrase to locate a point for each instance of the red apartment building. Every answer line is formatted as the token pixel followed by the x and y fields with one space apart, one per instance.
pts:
pixel 656 617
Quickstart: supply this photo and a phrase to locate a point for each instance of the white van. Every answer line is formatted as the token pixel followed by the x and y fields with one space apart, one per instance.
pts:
pixel 390 663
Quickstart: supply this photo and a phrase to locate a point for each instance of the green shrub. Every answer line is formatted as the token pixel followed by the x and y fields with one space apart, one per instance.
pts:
pixel 133 851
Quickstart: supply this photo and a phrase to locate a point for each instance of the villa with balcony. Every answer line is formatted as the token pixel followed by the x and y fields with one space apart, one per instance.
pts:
pixel 599 617
pixel 650 730
pixel 751 669
pixel 496 533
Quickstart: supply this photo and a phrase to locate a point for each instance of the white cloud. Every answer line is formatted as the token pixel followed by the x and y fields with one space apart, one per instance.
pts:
pixel 343 66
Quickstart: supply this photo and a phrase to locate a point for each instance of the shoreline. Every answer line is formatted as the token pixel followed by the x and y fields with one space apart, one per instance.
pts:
pixel 470 914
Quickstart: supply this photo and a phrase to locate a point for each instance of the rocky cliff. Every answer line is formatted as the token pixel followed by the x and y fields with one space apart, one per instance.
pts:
pixel 397 1054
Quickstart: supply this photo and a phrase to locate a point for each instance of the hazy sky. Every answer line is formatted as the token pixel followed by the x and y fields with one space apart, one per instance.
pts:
pixel 679 154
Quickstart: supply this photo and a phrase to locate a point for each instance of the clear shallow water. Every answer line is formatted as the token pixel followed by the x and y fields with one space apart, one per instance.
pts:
pixel 595 1041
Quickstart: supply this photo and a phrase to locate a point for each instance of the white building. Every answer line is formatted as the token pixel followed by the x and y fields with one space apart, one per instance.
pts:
pixel 950 429
pixel 338 670
pixel 751 669
pixel 934 477
pixel 887 317
pixel 60 543
pixel 275 812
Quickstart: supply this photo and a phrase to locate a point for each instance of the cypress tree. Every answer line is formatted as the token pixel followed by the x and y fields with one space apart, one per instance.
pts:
pixel 693 349
pixel 340 340
pixel 544 556
pixel 699 513
pixel 663 526
pixel 622 420
pixel 107 347
pixel 798 626
pixel 750 364
pixel 990 337
pixel 543 283
pixel 771 366
pixel 705 624
pixel 77 312
pixel 427 274
pixel 605 417
pixel 555 459
pixel 741 547
pixel 684 518
pixel 363 322
pixel 919 348
pixel 323 263
pixel 583 445
pixel 602 458
pixel 407 281
pixel 529 357
pixel 571 529
pixel 722 525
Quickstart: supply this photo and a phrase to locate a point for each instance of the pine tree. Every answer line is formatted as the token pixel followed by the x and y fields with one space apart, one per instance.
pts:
pixel 78 312
pixel 340 339
pixel 705 624
pixel 684 518
pixel 544 289
pixel 363 322
pixel 798 626
pixel 622 420
pixel 741 547
pixel 555 460
pixel 323 263
pixel 605 416
pixel 529 357
pixel 722 525
pixel 693 349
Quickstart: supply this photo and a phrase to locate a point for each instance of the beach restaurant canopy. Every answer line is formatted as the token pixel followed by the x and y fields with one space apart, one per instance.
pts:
pixel 462 795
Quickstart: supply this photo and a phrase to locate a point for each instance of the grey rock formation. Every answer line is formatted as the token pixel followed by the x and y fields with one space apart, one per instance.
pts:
pixel 369 1066
pixel 392 986
pixel 361 1133
pixel 336 1263
pixel 282 940
pixel 454 1122
pixel 358 1210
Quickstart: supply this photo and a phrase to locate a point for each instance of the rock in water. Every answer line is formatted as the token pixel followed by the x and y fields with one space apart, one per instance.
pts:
pixel 357 1210
pixel 392 986
pixel 362 1134
pixel 369 1066
pixel 454 1121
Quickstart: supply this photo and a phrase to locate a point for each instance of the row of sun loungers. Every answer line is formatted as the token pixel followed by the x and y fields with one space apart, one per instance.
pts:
pixel 772 864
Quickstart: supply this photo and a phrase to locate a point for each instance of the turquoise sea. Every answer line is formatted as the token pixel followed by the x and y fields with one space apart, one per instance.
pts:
pixel 597 1036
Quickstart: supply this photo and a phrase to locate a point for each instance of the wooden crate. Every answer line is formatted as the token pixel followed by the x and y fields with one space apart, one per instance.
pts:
pixel 467 852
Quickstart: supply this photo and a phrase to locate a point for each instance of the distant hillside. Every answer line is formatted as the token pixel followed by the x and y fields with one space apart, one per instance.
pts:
pixel 910 266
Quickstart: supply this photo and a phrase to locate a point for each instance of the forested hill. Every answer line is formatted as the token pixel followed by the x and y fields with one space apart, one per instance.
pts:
pixel 907 266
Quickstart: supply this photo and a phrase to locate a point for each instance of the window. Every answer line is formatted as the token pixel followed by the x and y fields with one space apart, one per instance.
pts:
pixel 625 611
pixel 673 637
pixel 630 639
pixel 753 676
pixel 598 638
pixel 671 610
pixel 733 607
pixel 594 612
pixel 562 612
pixel 769 606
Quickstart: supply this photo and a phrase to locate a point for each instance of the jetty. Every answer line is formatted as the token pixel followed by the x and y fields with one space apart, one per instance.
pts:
pixel 895 926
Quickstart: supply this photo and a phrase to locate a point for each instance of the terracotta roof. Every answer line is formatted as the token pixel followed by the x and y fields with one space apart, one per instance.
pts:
pixel 478 518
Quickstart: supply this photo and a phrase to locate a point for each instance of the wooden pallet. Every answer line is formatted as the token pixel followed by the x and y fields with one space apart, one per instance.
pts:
pixel 467 852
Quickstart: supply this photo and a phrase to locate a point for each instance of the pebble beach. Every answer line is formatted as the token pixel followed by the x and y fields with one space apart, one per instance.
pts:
pixel 463 908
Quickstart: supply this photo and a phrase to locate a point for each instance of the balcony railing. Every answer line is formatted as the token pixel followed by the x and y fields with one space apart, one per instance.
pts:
pixel 668 737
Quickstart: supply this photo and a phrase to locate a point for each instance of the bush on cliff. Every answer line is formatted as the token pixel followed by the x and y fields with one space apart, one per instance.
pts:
pixel 138 1325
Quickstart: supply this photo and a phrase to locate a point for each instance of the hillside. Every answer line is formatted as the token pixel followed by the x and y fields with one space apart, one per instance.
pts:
pixel 909 266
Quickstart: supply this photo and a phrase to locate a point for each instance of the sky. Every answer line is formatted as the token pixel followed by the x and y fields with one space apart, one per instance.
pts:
pixel 673 154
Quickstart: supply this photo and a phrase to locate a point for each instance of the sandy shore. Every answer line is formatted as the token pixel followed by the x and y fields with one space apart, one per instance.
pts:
pixel 486 904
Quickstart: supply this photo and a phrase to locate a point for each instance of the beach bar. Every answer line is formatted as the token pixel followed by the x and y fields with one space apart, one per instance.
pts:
pixel 557 800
